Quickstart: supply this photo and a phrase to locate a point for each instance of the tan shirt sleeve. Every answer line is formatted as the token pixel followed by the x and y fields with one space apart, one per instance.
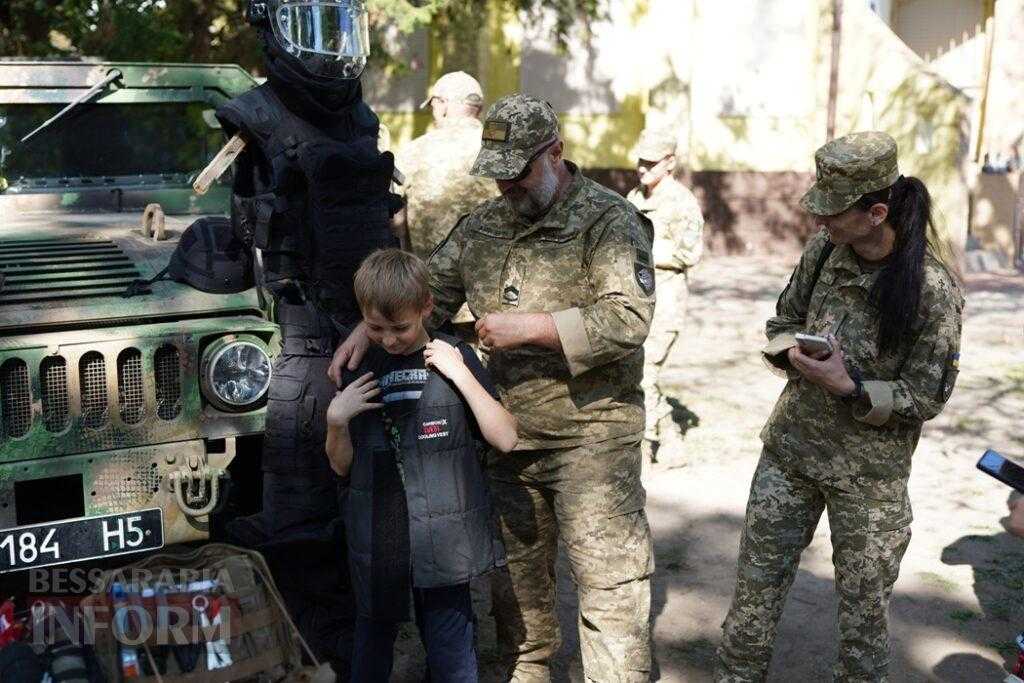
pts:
pixel 621 278
pixel 445 277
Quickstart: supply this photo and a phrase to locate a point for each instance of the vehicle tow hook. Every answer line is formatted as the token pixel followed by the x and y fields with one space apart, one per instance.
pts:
pixel 197 491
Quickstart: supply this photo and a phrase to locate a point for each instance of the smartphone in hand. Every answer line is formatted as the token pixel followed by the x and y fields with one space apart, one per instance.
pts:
pixel 995 465
pixel 812 345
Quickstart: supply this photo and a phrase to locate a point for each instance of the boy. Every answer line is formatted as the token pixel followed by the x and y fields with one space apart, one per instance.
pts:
pixel 407 427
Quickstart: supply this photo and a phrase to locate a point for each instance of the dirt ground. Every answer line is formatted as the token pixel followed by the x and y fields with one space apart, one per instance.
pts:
pixel 959 601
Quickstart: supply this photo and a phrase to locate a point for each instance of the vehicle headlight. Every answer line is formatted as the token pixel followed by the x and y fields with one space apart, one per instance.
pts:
pixel 236 372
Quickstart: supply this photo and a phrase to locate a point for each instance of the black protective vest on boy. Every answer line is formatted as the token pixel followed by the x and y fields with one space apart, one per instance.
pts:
pixel 451 538
pixel 316 202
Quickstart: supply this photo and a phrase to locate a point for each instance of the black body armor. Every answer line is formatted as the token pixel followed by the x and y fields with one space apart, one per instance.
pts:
pixel 314 200
pixel 311 198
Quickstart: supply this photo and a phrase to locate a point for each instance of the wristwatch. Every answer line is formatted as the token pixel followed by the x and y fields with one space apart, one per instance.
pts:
pixel 858 385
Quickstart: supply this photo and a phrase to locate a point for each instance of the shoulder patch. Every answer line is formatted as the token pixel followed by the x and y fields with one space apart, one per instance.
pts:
pixel 644 277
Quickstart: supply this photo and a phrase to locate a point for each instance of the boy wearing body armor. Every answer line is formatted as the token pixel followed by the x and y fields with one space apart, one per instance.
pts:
pixel 311 198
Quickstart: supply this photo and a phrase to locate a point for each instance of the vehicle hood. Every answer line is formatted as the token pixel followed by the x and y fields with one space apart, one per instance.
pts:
pixel 68 270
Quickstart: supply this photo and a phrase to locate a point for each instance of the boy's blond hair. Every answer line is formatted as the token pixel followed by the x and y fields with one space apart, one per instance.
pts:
pixel 390 281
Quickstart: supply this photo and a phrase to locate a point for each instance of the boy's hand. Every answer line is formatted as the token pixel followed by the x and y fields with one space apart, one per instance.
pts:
pixel 353 400
pixel 444 358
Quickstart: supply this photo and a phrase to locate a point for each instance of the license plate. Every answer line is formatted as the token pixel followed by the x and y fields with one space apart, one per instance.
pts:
pixel 85 538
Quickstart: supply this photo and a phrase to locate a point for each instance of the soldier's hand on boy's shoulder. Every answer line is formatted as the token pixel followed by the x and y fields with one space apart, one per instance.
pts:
pixel 353 400
pixel 444 358
pixel 349 353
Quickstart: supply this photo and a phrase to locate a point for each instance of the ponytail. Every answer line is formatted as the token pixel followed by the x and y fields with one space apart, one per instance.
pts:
pixel 897 291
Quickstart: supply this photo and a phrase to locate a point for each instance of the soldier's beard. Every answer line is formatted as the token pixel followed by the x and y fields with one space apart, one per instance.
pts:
pixel 535 202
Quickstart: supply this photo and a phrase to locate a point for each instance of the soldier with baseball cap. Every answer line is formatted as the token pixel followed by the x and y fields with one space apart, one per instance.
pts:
pixel 438 188
pixel 678 245
pixel 875 284
pixel 558 273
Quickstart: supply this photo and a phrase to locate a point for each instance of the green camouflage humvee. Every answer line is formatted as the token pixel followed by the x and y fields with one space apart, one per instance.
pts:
pixel 118 416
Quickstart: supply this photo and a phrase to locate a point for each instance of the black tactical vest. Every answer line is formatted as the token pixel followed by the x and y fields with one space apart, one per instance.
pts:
pixel 451 538
pixel 314 204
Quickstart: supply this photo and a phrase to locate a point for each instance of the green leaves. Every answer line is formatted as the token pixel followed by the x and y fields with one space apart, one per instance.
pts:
pixel 216 30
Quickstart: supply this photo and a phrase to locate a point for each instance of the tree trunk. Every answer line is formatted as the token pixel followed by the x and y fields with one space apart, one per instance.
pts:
pixel 833 80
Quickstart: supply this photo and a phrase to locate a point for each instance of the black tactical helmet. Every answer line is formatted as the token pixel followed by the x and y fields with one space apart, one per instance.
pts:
pixel 319 39
pixel 209 257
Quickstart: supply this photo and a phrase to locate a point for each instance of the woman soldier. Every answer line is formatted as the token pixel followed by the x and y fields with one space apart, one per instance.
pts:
pixel 880 285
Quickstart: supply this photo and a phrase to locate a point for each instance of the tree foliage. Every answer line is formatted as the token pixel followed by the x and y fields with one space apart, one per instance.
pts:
pixel 210 30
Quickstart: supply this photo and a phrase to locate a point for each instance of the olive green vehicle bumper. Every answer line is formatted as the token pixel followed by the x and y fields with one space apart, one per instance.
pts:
pixel 125 480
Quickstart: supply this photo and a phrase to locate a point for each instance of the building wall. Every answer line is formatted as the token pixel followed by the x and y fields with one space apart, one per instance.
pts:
pixel 747 118
pixel 1000 139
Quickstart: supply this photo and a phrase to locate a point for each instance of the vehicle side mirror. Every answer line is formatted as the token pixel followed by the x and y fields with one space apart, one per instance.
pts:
pixel 210 116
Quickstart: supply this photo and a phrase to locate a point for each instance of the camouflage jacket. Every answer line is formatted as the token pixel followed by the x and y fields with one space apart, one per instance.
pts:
pixel 863 447
pixel 588 263
pixel 438 188
pixel 678 224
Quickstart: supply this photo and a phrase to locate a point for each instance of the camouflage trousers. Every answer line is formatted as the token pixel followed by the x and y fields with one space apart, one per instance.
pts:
pixel 869 538
pixel 669 312
pixel 592 500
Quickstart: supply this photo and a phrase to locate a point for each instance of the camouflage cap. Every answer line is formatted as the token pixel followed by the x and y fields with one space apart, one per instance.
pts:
pixel 456 86
pixel 848 168
pixel 515 128
pixel 655 144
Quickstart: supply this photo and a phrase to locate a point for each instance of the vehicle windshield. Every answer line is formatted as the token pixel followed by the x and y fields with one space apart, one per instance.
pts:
pixel 107 140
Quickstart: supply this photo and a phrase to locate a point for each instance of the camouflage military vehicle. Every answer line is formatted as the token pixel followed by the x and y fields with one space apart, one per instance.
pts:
pixel 118 416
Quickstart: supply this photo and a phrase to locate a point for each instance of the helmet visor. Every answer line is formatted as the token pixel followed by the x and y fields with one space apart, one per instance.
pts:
pixel 330 37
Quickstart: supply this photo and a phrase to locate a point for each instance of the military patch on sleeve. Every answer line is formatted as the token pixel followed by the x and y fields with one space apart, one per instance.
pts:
pixel 644 277
pixel 496 131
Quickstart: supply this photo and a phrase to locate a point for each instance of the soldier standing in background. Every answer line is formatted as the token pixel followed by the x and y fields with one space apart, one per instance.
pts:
pixel 678 245
pixel 438 188
pixel 558 272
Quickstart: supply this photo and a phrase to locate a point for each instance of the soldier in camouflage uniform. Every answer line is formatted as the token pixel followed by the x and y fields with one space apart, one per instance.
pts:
pixel 842 434
pixel 678 245
pixel 438 188
pixel 558 273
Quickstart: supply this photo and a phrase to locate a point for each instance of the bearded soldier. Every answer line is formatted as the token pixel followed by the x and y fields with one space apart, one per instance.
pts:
pixel 311 197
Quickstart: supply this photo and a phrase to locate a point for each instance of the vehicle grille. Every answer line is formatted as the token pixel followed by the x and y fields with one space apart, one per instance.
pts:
pixel 168 383
pixel 62 395
pixel 15 398
pixel 33 271
pixel 53 373
pixel 130 395
pixel 92 378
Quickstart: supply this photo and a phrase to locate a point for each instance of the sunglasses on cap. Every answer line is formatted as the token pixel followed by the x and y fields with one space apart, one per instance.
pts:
pixel 526 169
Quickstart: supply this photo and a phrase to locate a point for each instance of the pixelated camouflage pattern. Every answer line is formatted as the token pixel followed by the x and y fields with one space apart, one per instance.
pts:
pixel 438 188
pixel 514 128
pixel 590 498
pixel 583 262
pixel 863 447
pixel 678 245
pixel 848 168
pixel 869 538
pixel 678 224
pixel 669 314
